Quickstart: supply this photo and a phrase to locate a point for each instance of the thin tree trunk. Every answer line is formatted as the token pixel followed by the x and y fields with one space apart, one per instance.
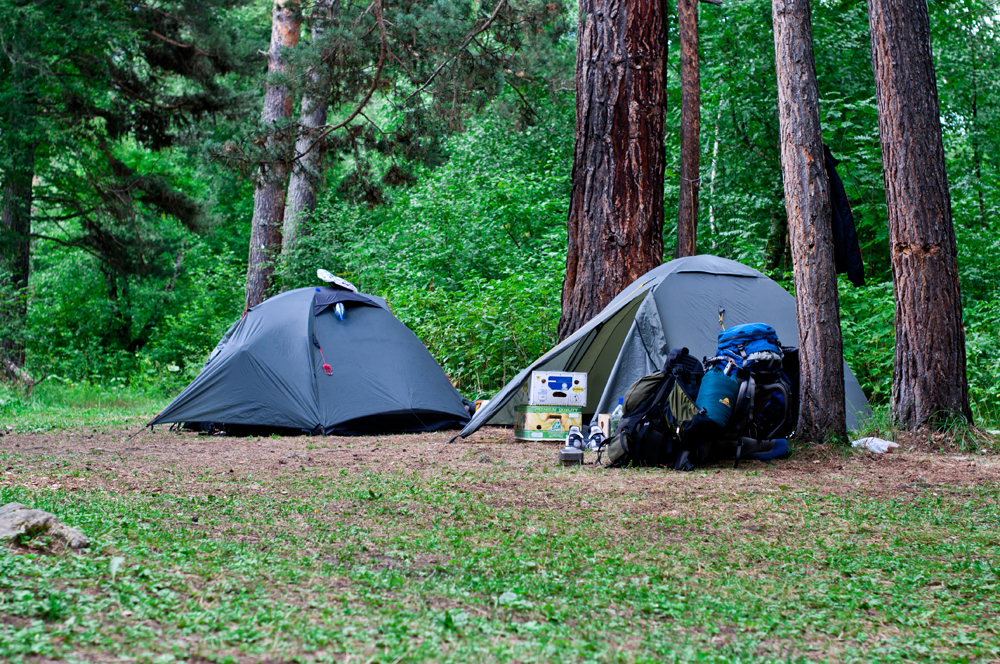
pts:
pixel 777 240
pixel 977 156
pixel 269 190
pixel 807 204
pixel 687 211
pixel 15 227
pixel 929 384
pixel 615 221
pixel 307 169
pixel 715 172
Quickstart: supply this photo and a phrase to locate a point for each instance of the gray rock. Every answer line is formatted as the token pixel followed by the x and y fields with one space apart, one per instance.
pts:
pixel 17 519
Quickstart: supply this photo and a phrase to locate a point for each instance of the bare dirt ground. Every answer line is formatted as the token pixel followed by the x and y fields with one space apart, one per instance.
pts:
pixel 161 460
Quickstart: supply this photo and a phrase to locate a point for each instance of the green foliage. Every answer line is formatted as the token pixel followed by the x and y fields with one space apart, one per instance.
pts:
pixel 982 353
pixel 61 403
pixel 486 332
pixel 866 321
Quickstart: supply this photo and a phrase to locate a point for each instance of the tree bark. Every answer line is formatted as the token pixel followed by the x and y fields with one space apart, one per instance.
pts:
pixel 615 221
pixel 15 227
pixel 269 189
pixel 19 119
pixel 303 184
pixel 687 211
pixel 929 383
pixel 807 204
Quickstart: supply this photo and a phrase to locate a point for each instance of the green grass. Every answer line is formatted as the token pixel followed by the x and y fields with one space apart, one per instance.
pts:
pixel 59 405
pixel 504 564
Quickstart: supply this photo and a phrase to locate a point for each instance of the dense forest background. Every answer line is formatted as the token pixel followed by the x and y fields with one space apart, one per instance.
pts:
pixel 456 214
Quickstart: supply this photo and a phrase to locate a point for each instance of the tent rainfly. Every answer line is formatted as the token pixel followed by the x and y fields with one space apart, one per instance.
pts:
pixel 680 303
pixel 290 363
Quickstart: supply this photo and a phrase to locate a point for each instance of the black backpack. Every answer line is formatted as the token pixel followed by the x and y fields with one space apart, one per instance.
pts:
pixel 656 411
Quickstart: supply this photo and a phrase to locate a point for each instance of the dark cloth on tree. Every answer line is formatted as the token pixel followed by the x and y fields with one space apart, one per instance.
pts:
pixel 846 250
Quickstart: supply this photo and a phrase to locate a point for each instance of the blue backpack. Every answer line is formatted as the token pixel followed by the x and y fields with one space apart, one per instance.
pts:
pixel 753 346
pixel 747 391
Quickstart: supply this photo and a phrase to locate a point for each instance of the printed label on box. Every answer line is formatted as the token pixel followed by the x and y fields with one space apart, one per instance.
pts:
pixel 546 422
pixel 557 388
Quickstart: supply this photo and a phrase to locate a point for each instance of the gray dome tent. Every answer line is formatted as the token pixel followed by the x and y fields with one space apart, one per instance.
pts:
pixel 268 371
pixel 676 304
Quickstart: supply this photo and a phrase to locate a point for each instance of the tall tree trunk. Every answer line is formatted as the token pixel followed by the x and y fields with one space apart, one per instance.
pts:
pixel 307 169
pixel 269 189
pixel 18 119
pixel 687 211
pixel 807 204
pixel 15 227
pixel 615 221
pixel 929 384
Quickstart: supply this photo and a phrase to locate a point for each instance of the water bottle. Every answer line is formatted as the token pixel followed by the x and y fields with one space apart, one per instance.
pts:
pixel 616 416
pixel 338 309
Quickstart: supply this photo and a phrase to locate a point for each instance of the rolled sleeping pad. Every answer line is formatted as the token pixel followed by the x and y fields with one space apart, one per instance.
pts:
pixel 718 395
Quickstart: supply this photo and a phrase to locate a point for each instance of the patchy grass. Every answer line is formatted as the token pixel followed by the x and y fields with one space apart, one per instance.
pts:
pixel 405 549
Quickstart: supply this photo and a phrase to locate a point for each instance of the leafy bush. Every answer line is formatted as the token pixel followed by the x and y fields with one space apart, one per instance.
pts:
pixel 866 321
pixel 982 353
pixel 486 332
pixel 497 205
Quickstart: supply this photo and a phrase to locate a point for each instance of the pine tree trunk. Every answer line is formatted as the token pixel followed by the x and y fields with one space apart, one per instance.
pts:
pixel 687 212
pixel 18 119
pixel 615 221
pixel 303 184
pixel 269 190
pixel 807 204
pixel 929 384
pixel 15 234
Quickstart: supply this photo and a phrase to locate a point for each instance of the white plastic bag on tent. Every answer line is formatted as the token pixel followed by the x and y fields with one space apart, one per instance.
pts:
pixel 876 445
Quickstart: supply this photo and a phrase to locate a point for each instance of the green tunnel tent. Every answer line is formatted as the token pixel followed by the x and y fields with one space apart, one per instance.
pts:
pixel 676 304
pixel 268 372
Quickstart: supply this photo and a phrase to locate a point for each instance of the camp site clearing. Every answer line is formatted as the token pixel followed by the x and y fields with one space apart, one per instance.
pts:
pixel 407 548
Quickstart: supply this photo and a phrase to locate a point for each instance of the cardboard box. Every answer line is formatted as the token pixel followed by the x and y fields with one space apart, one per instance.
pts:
pixel 546 422
pixel 555 388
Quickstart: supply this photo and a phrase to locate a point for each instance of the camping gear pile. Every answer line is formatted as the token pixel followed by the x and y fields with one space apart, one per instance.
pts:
pixel 683 416
pixel 682 303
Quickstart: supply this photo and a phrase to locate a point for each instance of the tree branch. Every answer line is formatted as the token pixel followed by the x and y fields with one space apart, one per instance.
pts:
pixel 487 24
pixel 198 50
pixel 384 50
